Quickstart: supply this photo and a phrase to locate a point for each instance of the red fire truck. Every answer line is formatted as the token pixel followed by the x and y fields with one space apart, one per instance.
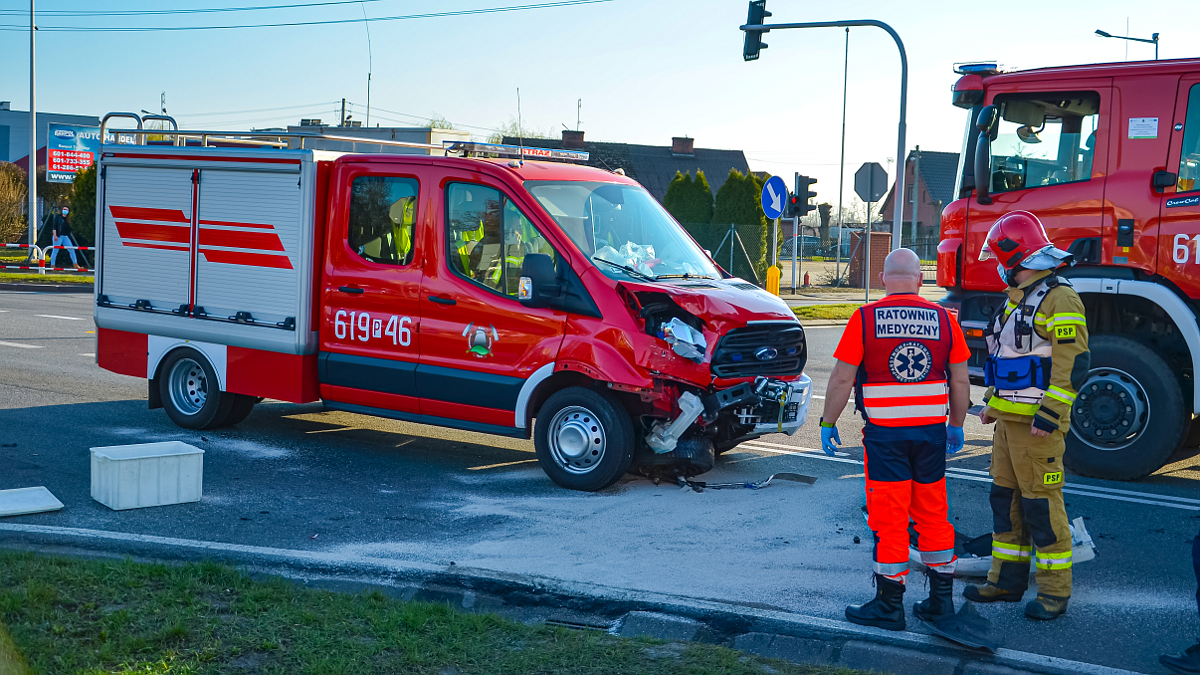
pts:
pixel 472 292
pixel 1108 157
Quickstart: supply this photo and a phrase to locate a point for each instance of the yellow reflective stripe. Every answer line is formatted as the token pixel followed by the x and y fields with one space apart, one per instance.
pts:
pixel 1066 322
pixel 1075 315
pixel 1065 555
pixel 1052 561
pixel 1039 320
pixel 1011 553
pixel 1062 392
pixel 1068 401
pixel 1004 405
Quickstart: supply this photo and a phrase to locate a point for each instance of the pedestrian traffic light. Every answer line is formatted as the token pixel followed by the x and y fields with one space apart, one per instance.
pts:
pixel 802 194
pixel 758 13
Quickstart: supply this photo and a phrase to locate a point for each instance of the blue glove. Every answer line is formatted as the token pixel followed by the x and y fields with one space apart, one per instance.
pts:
pixel 830 439
pixel 954 439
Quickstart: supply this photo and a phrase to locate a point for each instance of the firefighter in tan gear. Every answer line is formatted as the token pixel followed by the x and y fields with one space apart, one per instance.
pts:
pixel 1038 359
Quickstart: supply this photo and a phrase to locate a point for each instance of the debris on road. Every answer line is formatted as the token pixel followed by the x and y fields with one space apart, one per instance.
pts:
pixel 23 501
pixel 699 485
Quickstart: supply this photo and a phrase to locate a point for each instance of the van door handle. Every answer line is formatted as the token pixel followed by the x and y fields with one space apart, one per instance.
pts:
pixel 351 290
pixel 443 301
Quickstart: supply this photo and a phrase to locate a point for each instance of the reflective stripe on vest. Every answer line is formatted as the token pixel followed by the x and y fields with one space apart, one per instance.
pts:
pixel 1006 343
pixel 906 404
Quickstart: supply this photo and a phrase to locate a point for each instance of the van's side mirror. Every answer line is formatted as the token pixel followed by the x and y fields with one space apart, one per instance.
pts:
pixel 983 154
pixel 539 284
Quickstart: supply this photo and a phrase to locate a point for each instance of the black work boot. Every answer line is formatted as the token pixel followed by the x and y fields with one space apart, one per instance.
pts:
pixel 885 611
pixel 1046 607
pixel 940 604
pixel 990 592
pixel 1187 662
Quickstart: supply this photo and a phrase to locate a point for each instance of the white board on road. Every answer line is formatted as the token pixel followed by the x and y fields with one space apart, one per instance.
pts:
pixel 65 318
pixel 19 345
pixel 27 500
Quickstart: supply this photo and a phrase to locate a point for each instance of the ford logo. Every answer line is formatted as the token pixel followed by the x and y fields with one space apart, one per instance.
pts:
pixel 766 353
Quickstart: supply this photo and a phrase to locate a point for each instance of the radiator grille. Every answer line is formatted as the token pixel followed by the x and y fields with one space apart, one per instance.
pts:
pixel 773 349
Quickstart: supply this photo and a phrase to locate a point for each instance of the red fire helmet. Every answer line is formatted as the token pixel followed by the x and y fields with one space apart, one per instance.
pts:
pixel 1018 238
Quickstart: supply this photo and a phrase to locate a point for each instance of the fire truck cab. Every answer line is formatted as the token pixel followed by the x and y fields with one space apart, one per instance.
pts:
pixel 490 294
pixel 1108 157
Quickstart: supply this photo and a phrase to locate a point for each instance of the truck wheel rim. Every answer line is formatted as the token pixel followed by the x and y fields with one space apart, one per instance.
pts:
pixel 576 440
pixel 188 386
pixel 1111 410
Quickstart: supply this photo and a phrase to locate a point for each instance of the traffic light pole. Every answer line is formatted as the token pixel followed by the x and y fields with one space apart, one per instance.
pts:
pixel 898 213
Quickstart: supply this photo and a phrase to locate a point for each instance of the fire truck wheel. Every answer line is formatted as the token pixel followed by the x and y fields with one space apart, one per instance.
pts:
pixel 1129 415
pixel 584 439
pixel 190 394
pixel 242 405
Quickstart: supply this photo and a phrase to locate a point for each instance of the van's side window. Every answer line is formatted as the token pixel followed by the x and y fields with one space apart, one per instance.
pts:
pixel 1044 139
pixel 1189 156
pixel 489 237
pixel 383 215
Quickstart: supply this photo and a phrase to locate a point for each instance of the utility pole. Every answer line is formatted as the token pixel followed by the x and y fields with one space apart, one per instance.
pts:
pixel 578 112
pixel 343 113
pixel 32 137
pixel 842 161
pixel 916 191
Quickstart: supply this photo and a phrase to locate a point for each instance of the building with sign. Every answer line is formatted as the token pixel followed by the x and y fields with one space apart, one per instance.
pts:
pixel 14 132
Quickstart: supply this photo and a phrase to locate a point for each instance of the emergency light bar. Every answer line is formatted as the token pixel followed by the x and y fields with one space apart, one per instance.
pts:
pixel 477 149
pixel 981 68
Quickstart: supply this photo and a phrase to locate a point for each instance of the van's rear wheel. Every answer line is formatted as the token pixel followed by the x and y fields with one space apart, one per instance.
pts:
pixel 583 439
pixel 190 392
pixel 1129 416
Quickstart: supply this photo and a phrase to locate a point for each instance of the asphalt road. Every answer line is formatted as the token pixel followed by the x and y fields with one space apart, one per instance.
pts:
pixel 299 478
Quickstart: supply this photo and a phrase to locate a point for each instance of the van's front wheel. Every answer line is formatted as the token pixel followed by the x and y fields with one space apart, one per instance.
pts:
pixel 584 439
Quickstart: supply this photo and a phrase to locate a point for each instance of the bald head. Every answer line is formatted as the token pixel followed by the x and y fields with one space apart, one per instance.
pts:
pixel 901 272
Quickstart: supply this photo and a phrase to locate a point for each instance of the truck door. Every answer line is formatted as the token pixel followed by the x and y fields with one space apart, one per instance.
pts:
pixel 1179 234
pixel 1048 157
pixel 479 344
pixel 370 299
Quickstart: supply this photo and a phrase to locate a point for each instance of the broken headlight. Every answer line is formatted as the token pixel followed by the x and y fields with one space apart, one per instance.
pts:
pixel 685 340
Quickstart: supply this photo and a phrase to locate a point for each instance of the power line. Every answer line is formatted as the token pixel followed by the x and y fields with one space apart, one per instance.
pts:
pixel 165 12
pixel 258 110
pixel 430 15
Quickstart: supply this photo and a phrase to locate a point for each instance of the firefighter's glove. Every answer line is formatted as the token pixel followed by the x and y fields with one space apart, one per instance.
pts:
pixel 830 440
pixel 954 439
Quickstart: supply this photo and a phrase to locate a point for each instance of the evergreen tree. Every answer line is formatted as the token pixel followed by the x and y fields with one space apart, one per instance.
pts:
pixel 737 203
pixel 703 198
pixel 675 201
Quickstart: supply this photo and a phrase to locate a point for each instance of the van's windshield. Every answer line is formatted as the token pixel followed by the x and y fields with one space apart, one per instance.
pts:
pixel 623 229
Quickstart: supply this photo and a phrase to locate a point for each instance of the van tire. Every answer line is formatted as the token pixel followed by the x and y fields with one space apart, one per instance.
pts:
pixel 583 439
pixel 1132 368
pixel 190 392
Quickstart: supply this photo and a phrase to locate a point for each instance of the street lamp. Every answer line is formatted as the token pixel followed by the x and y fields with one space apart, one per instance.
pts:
pixel 1153 40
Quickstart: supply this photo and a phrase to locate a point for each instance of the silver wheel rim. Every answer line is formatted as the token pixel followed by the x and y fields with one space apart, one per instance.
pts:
pixel 1111 410
pixel 576 440
pixel 188 386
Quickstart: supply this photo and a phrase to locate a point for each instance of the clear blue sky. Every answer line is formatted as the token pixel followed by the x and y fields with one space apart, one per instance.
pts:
pixel 646 70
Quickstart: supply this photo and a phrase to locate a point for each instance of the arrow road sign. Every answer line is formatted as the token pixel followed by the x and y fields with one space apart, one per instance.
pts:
pixel 774 197
pixel 870 182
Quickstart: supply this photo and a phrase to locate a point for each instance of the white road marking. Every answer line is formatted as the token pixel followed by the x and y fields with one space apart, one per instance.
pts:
pixel 19 345
pixel 4 310
pixel 55 316
pixel 87 354
pixel 983 477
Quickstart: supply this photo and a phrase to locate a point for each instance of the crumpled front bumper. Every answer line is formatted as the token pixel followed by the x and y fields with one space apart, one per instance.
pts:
pixel 764 418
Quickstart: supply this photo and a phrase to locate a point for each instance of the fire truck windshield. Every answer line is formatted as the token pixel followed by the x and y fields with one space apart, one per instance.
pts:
pixel 624 226
pixel 1043 139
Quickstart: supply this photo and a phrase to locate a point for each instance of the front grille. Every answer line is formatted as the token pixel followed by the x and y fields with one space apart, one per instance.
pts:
pixel 738 353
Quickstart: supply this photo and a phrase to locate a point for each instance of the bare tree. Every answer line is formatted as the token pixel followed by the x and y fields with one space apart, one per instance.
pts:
pixel 12 201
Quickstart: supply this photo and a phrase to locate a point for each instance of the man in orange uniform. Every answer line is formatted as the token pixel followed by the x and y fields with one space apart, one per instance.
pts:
pixel 906 359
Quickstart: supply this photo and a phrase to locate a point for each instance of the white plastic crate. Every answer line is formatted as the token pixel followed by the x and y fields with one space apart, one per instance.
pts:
pixel 147 474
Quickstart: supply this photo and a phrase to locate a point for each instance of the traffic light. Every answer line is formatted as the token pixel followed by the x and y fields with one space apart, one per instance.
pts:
pixel 801 195
pixel 756 17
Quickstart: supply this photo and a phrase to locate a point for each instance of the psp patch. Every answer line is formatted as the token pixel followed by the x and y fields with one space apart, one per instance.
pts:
pixel 910 362
pixel 907 322
pixel 1052 478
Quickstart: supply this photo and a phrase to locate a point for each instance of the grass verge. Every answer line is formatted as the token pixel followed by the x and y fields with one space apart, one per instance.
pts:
pixel 88 616
pixel 27 278
pixel 839 312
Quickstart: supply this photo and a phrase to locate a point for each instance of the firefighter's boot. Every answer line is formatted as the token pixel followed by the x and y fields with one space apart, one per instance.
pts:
pixel 940 604
pixel 885 611
pixel 1046 607
pixel 990 592
pixel 1187 662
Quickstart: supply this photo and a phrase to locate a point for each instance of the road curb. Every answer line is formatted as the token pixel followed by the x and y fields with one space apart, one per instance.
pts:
pixel 809 323
pixel 48 288
pixel 757 629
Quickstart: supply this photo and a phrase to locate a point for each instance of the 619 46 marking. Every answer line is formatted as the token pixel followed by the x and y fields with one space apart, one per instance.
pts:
pixel 363 328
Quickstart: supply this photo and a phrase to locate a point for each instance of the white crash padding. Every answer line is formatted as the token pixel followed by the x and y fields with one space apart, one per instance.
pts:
pixel 21 501
pixel 157 347
pixel 147 474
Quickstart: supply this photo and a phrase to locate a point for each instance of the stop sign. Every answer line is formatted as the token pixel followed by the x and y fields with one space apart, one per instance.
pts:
pixel 870 182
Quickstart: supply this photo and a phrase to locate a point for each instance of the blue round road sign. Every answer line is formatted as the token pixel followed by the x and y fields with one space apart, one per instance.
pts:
pixel 774 197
